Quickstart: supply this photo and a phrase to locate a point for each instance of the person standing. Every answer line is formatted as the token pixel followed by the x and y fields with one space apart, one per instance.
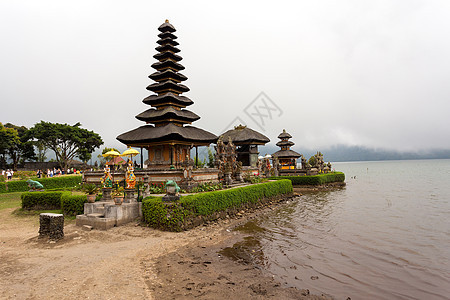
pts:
pixel 8 175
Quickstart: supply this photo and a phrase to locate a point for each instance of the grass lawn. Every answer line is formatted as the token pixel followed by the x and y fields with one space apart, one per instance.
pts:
pixel 10 200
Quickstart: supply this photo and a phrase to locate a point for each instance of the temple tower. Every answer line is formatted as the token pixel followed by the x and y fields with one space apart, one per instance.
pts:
pixel 286 157
pixel 167 135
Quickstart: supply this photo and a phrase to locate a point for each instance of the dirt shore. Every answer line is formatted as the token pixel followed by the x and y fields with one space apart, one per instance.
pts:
pixel 129 262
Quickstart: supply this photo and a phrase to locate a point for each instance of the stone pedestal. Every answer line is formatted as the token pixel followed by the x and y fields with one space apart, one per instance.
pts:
pixel 104 215
pixel 129 196
pixel 106 194
pixel 51 226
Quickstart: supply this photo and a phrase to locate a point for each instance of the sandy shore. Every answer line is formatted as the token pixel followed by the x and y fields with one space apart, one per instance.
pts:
pixel 129 262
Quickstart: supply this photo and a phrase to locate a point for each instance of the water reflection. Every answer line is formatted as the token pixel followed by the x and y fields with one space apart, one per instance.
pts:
pixel 381 237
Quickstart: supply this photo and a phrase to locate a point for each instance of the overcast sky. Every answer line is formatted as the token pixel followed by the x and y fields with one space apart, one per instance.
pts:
pixel 369 73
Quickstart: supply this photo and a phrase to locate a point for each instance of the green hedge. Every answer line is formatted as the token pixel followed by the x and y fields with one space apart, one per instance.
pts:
pixel 172 216
pixel 48 183
pixel 314 179
pixel 41 200
pixel 3 187
pixel 73 205
pixel 61 182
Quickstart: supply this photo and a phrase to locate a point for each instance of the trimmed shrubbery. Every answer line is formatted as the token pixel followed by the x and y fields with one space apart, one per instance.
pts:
pixel 41 200
pixel 314 179
pixel 73 205
pixel 48 183
pixel 175 216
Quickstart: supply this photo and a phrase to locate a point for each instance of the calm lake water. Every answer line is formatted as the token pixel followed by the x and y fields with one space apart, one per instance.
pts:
pixel 386 235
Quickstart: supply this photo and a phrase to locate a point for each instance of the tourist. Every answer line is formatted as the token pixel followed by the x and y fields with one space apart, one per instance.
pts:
pixel 3 172
pixel 8 175
pixel 38 173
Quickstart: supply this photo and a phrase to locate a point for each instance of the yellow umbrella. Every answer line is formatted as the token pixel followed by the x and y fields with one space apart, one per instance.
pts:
pixel 130 152
pixel 111 153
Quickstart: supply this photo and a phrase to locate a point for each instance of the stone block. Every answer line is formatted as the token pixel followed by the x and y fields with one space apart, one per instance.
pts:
pixel 51 226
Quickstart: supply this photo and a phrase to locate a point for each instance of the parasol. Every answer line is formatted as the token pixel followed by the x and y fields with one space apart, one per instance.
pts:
pixel 113 154
pixel 130 152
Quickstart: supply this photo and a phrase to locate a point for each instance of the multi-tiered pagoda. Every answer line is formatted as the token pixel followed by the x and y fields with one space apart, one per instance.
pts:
pixel 286 157
pixel 167 135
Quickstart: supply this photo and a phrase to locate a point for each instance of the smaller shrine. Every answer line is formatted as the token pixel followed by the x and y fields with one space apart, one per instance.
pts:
pixel 246 140
pixel 286 157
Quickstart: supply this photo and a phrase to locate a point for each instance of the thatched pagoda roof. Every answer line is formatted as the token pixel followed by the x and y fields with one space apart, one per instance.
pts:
pixel 168 98
pixel 167 74
pixel 242 135
pixel 285 143
pixel 168 85
pixel 149 134
pixel 166 27
pixel 284 135
pixel 286 154
pixel 154 115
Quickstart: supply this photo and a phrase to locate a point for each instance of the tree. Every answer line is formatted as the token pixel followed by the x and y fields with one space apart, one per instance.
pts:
pixel 23 150
pixel 67 141
pixel 8 139
pixel 41 151
pixel 84 155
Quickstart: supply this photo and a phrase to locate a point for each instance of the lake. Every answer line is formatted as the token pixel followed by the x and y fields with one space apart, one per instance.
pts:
pixel 386 235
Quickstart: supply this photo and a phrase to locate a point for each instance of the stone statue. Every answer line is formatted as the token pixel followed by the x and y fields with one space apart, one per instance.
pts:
pixel 304 162
pixel 34 185
pixel 276 167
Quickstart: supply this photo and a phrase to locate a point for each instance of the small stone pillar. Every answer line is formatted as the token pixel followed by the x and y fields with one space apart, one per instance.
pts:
pixel 146 188
pixel 106 194
pixel 129 196
pixel 51 226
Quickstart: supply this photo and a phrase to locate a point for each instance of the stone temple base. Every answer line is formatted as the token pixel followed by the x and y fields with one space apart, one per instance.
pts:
pixel 105 215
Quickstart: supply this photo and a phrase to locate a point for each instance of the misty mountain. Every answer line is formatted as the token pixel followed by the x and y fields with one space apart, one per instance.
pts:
pixel 360 153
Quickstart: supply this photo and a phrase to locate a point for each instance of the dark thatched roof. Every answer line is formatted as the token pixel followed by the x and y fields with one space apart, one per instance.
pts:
pixel 167 47
pixel 161 65
pixel 168 98
pixel 285 143
pixel 166 27
pixel 168 85
pixel 167 55
pixel 183 115
pixel 286 154
pixel 167 41
pixel 242 135
pixel 284 135
pixel 167 34
pixel 149 134
pixel 167 74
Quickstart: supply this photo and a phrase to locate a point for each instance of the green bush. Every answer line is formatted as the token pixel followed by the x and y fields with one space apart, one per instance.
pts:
pixel 60 182
pixel 207 203
pixel 48 183
pixel 72 205
pixel 165 215
pixel 314 179
pixel 2 178
pixel 172 216
pixel 17 186
pixel 41 200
